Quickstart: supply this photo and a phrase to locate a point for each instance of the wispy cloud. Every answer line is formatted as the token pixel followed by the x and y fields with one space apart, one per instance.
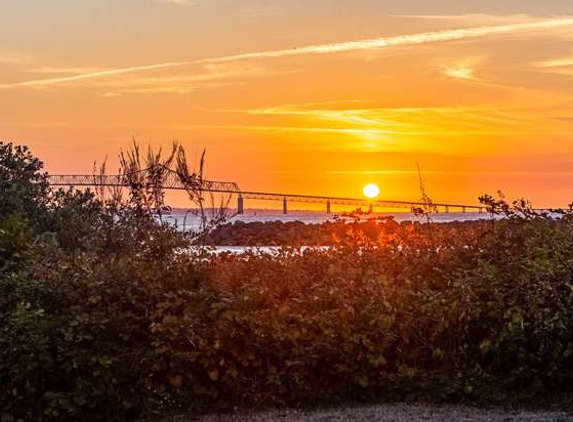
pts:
pixel 92 75
pixel 389 135
pixel 460 72
pixel 78 74
pixel 38 125
pixel 54 70
pixel 562 66
pixel 402 40
pixel 561 62
pixel 214 76
pixel 396 124
pixel 464 70
pixel 166 89
pixel 122 80
pixel 110 94
pixel 475 18
pixel 12 58
pixel 177 2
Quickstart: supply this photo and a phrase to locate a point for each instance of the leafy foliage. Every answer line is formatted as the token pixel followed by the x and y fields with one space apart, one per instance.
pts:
pixel 23 188
pixel 103 317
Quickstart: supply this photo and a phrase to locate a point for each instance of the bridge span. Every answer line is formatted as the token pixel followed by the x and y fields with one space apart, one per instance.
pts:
pixel 173 182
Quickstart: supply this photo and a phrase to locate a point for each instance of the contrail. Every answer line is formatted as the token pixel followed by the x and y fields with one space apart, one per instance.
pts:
pixel 377 43
pixel 414 39
pixel 93 75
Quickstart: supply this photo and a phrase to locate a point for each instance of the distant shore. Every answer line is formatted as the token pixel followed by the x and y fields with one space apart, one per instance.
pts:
pixel 278 233
pixel 183 219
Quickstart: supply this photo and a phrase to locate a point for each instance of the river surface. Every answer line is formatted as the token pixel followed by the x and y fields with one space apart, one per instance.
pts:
pixel 184 220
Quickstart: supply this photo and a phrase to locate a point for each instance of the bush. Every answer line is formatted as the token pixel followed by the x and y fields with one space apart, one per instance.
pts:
pixel 23 188
pixel 104 314
pixel 487 317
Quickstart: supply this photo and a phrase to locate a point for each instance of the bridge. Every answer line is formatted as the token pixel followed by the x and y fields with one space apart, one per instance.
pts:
pixel 172 181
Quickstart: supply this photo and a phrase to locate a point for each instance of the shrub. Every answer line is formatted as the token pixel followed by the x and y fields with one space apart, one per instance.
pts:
pixel 23 188
pixel 483 318
pixel 105 314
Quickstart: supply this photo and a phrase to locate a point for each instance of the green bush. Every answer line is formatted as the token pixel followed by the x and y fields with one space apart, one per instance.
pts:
pixel 23 188
pixel 16 243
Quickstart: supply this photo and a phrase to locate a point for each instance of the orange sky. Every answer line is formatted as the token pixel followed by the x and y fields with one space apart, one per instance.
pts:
pixel 314 96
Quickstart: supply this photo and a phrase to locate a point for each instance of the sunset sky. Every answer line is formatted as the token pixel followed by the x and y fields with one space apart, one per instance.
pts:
pixel 306 96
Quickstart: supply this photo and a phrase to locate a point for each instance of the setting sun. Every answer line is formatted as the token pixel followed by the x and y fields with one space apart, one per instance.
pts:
pixel 371 191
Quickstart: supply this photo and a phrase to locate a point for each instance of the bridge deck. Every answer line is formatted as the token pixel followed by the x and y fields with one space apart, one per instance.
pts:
pixel 172 183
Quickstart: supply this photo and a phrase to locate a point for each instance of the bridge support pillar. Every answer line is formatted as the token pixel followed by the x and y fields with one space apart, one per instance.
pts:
pixel 447 209
pixel 240 205
pixel 464 210
pixel 285 207
pixel 328 207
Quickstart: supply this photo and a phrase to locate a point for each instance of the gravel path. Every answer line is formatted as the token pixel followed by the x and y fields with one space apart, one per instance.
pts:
pixel 398 412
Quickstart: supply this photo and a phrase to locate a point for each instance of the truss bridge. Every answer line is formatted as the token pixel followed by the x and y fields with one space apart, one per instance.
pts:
pixel 170 180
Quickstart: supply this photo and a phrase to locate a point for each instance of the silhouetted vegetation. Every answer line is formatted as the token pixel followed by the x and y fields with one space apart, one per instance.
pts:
pixel 330 233
pixel 105 312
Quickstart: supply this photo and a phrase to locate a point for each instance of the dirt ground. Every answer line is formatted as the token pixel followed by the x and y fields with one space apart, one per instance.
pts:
pixel 385 413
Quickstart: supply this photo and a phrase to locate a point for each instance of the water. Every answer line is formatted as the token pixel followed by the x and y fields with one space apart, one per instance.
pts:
pixel 184 220
pixel 268 250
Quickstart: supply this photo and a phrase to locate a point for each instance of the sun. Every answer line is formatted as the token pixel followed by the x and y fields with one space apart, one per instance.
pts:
pixel 371 191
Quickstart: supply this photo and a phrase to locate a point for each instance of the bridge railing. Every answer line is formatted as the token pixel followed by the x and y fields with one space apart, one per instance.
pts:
pixel 172 181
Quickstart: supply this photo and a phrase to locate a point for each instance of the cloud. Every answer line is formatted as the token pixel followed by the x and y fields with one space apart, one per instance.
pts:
pixel 177 2
pixel 474 17
pixel 92 75
pixel 115 82
pixel 53 70
pixel 562 66
pixel 213 76
pixel 396 124
pixel 181 89
pixel 38 125
pixel 11 58
pixel 464 70
pixel 460 72
pixel 110 94
pixel 377 43
pixel 562 62
pixel 402 40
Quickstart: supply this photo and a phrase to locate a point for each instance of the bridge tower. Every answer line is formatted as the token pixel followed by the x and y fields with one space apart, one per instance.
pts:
pixel 240 205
